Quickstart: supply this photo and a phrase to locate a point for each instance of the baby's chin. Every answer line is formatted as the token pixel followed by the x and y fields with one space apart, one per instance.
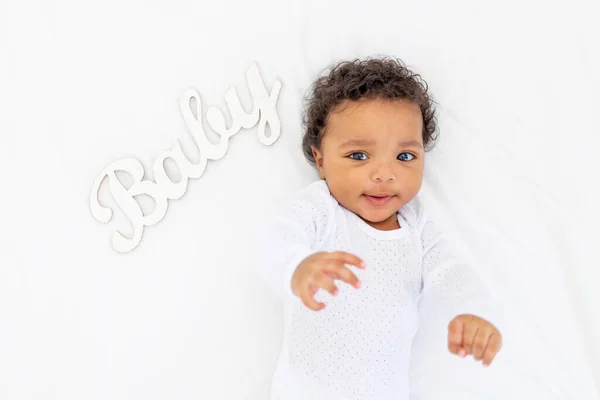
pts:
pixel 376 216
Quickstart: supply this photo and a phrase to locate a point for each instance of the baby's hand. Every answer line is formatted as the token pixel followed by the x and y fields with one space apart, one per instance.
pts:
pixel 318 272
pixel 469 334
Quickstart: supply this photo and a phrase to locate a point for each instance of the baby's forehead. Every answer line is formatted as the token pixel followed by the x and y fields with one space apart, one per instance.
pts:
pixel 372 122
pixel 349 107
pixel 375 111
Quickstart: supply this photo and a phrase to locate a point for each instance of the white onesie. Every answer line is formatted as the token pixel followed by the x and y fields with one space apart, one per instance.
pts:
pixel 358 346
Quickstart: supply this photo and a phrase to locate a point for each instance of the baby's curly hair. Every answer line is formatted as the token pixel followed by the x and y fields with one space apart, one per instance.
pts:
pixel 386 78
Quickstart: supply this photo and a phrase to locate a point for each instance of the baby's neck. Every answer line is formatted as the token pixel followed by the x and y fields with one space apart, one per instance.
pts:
pixel 389 224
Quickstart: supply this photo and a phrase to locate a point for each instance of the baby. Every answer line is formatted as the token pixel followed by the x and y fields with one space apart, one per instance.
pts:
pixel 368 124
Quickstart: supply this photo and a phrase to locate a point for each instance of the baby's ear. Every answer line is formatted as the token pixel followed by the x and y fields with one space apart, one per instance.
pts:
pixel 318 156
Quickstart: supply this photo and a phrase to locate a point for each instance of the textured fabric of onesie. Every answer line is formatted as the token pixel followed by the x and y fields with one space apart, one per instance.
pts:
pixel 358 347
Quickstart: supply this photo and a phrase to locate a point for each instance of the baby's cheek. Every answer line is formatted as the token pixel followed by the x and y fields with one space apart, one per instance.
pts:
pixel 415 183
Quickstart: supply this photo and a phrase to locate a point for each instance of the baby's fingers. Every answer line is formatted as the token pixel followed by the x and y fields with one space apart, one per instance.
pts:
pixel 338 270
pixel 457 349
pixel 309 301
pixel 493 347
pixel 321 280
pixel 317 281
pixel 469 333
pixel 480 343
pixel 455 337
pixel 347 258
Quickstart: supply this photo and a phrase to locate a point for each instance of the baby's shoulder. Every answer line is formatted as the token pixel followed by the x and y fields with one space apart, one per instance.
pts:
pixel 313 200
pixel 317 190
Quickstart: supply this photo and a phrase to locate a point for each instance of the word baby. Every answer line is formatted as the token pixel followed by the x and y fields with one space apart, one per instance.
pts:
pixel 163 188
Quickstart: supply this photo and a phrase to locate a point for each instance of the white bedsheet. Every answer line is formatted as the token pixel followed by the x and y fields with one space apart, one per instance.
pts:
pixel 513 180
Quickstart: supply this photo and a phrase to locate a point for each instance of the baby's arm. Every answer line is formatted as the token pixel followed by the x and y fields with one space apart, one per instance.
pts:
pixel 284 240
pixel 452 290
pixel 288 247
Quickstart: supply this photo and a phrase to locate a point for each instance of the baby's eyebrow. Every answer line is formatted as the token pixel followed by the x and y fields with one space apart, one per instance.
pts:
pixel 410 143
pixel 358 142
pixel 363 142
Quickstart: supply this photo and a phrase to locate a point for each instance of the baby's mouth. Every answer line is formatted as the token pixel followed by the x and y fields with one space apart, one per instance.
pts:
pixel 378 199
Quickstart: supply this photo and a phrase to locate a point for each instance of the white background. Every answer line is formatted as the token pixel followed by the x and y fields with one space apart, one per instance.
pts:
pixel 183 316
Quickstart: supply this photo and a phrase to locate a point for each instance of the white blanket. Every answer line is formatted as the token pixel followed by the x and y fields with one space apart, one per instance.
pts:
pixel 513 180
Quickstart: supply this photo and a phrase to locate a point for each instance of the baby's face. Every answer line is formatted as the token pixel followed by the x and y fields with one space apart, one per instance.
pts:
pixel 372 158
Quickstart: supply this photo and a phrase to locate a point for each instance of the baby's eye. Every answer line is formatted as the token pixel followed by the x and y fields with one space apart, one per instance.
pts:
pixel 406 157
pixel 358 156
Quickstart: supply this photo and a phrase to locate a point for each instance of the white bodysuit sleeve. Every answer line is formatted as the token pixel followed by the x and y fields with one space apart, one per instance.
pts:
pixel 291 235
pixel 450 286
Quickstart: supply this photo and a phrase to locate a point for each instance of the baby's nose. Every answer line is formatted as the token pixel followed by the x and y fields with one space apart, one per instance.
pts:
pixel 384 173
